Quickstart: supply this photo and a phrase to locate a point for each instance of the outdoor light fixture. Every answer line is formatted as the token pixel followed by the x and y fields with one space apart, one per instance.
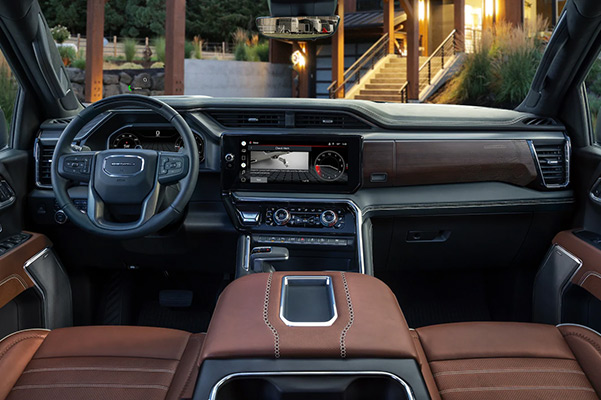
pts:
pixel 298 59
pixel 422 10
pixel 489 8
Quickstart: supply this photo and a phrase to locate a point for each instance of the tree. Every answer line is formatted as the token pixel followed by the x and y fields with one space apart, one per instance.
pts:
pixel 213 20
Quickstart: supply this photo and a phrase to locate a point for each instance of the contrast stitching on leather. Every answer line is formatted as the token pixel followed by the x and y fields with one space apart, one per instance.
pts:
pixel 118 369
pixel 509 370
pixel 181 394
pixel 16 277
pixel 592 342
pixel 89 385
pixel 11 345
pixel 351 318
pixel 588 275
pixel 276 336
pixel 515 388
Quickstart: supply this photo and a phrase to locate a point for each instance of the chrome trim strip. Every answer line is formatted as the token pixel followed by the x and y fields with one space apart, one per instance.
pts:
pixel 580 326
pixel 11 199
pixel 218 385
pixel 350 203
pixel 35 258
pixel 246 250
pixel 328 283
pixel 567 153
pixel 28 263
pixel 122 156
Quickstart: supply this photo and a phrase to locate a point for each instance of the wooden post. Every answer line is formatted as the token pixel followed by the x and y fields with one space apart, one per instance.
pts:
pixel 175 40
pixel 459 14
pixel 78 41
pixel 115 46
pixel 412 23
pixel 94 50
pixel 424 25
pixel 338 53
pixel 389 24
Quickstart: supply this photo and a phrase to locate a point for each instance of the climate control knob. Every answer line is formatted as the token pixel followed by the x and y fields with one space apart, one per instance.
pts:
pixel 328 218
pixel 281 216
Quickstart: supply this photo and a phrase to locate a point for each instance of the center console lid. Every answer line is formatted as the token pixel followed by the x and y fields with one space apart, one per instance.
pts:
pixel 293 315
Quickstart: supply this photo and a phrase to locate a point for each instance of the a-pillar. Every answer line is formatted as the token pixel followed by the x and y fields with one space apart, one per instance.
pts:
pixel 175 41
pixel 94 50
pixel 459 16
pixel 338 53
pixel 412 23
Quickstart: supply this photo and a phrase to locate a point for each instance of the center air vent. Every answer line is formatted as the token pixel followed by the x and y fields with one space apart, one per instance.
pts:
pixel 43 165
pixel 328 120
pixel 553 161
pixel 248 119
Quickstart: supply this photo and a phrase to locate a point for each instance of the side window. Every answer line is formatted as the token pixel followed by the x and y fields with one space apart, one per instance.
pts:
pixel 8 95
pixel 593 91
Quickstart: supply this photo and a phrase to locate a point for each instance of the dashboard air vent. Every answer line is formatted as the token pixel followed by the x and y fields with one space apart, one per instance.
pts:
pixel 539 121
pixel 553 160
pixel 247 119
pixel 44 163
pixel 328 120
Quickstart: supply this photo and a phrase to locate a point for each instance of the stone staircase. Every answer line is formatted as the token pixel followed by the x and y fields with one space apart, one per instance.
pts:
pixel 385 83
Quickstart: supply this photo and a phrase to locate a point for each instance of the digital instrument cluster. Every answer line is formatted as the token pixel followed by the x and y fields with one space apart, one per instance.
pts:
pixel 291 162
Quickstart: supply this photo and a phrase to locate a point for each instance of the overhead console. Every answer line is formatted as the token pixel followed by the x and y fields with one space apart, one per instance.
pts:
pixel 292 163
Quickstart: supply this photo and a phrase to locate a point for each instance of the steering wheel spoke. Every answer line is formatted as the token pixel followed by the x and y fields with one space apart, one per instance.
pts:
pixel 173 167
pixel 77 166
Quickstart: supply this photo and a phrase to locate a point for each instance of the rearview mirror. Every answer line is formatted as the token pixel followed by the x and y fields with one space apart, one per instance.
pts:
pixel 298 28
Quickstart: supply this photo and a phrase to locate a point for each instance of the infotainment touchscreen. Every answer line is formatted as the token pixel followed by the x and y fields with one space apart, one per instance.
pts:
pixel 291 162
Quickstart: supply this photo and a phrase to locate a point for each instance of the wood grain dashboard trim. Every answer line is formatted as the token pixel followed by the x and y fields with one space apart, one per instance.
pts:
pixel 427 162
pixel 13 278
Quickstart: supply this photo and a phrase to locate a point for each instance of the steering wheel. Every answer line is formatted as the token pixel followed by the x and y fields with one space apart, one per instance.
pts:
pixel 124 177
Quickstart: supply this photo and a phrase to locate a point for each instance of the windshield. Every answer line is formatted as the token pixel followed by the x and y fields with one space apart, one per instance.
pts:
pixel 476 52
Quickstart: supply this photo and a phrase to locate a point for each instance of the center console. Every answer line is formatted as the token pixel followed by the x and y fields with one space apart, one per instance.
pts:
pixel 265 182
pixel 318 335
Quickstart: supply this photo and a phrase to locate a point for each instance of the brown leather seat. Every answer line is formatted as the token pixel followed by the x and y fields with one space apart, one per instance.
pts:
pixel 101 362
pixel 494 361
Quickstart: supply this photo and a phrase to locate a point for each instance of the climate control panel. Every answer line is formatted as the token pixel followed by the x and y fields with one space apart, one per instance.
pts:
pixel 305 217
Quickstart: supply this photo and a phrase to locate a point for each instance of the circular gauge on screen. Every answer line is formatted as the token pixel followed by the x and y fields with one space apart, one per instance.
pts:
pixel 179 143
pixel 329 166
pixel 125 141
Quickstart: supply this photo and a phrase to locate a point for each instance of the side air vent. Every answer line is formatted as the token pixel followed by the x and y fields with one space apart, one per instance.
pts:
pixel 554 163
pixel 539 121
pixel 249 119
pixel 328 120
pixel 43 165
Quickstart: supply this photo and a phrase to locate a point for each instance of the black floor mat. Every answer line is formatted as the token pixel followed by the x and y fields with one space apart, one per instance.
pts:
pixel 429 298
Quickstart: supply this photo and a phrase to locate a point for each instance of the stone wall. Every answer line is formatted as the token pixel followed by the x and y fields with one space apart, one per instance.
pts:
pixel 148 82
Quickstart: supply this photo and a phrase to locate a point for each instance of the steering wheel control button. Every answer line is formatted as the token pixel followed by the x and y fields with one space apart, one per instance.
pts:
pixel 172 168
pixel 76 167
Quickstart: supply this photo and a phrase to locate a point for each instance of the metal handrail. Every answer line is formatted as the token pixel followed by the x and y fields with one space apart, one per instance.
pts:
pixel 404 92
pixel 355 69
pixel 439 48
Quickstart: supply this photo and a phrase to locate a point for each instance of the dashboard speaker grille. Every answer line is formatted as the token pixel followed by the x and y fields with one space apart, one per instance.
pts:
pixel 328 120
pixel 44 164
pixel 246 119
pixel 553 161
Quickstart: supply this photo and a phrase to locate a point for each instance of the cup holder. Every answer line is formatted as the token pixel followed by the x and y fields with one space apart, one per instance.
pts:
pixel 315 386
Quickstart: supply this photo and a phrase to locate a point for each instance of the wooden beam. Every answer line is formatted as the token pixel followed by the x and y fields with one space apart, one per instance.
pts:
pixel 389 24
pixel 338 53
pixel 412 24
pixel 424 27
pixel 459 16
pixel 175 41
pixel 94 50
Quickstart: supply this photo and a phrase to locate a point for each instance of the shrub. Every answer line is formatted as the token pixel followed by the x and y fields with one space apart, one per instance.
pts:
pixel 67 53
pixel 188 49
pixel 240 36
pixel 60 33
pixel 79 63
pixel 240 52
pixel 8 91
pixel 158 64
pixel 263 51
pixel 130 65
pixel 129 48
pixel 198 47
pixel 159 45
